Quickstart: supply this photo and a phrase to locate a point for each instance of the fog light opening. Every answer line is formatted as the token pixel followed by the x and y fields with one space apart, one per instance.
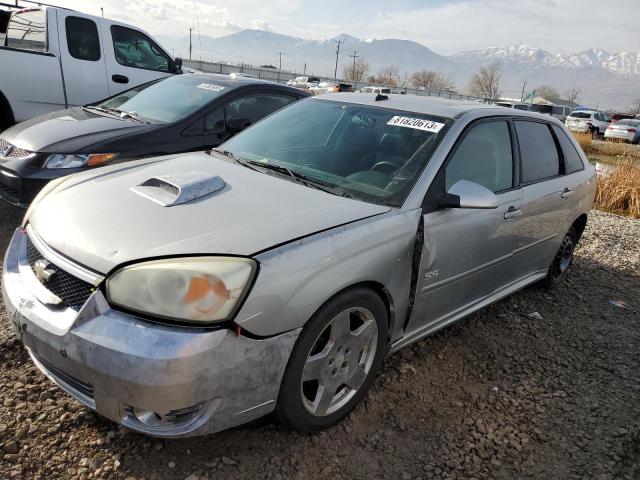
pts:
pixel 147 417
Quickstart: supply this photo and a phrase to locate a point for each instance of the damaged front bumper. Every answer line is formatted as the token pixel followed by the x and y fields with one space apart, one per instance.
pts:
pixel 162 380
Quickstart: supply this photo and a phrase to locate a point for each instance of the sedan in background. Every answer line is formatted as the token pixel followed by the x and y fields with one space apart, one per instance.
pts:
pixel 172 115
pixel 331 87
pixel 626 130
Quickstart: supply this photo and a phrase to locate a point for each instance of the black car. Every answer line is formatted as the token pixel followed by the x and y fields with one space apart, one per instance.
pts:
pixel 180 113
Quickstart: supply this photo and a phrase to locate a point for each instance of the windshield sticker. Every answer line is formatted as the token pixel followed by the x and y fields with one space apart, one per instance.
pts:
pixel 417 123
pixel 211 86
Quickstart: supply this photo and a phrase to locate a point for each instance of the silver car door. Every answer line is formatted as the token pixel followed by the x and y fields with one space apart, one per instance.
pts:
pixel 466 253
pixel 546 193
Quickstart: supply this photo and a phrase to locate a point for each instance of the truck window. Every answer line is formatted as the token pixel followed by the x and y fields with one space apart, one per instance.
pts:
pixel 134 49
pixel 27 30
pixel 82 38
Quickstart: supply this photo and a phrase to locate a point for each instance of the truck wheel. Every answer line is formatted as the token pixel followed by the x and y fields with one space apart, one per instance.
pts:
pixel 334 361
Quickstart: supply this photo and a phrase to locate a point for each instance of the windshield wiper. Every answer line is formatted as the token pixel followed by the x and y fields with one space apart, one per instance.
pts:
pixel 300 178
pixel 116 112
pixel 235 158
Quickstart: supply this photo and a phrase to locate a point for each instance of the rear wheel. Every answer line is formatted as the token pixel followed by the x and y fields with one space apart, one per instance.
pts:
pixel 334 362
pixel 563 258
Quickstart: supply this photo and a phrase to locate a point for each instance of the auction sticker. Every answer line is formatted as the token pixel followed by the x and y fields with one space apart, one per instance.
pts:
pixel 417 123
pixel 211 86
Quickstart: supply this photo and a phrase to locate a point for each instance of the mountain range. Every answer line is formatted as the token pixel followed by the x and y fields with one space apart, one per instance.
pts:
pixel 607 80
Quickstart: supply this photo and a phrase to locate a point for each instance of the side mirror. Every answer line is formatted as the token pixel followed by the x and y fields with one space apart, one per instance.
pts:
pixel 237 124
pixel 466 194
pixel 177 65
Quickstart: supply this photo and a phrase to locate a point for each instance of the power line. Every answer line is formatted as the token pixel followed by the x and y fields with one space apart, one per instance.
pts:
pixel 353 72
pixel 280 64
pixel 335 72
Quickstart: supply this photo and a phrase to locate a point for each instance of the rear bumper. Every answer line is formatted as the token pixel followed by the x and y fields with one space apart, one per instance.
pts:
pixel 161 380
pixel 619 135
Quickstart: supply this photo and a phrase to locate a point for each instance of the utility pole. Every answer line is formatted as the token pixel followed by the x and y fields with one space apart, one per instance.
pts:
pixel 524 85
pixel 101 11
pixel 335 72
pixel 280 64
pixel 305 69
pixel 353 72
pixel 190 29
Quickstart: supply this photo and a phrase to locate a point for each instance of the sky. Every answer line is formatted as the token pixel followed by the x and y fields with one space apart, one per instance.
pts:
pixel 446 27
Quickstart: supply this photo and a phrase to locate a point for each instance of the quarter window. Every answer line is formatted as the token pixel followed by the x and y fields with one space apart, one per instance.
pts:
pixel 27 30
pixel 82 38
pixel 538 151
pixel 484 157
pixel 572 161
pixel 134 49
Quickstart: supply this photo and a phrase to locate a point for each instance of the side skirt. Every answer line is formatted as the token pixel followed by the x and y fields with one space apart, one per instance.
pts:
pixel 433 327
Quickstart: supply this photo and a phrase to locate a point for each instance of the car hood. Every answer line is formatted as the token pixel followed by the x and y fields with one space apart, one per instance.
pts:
pixel 69 131
pixel 97 220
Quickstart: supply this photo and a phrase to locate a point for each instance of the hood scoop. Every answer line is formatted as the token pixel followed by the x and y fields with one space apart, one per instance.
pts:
pixel 170 190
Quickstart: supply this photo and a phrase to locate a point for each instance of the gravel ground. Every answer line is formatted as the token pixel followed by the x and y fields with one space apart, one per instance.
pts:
pixel 545 384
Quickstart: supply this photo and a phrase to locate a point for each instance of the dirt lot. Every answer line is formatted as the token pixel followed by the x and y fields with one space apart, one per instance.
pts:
pixel 545 384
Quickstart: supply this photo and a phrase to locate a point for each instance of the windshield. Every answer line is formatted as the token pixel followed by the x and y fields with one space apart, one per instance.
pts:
pixel 540 108
pixel 168 100
pixel 580 115
pixel 369 153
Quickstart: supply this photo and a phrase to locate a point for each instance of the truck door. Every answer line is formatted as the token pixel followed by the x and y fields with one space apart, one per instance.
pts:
pixel 83 60
pixel 132 57
pixel 30 75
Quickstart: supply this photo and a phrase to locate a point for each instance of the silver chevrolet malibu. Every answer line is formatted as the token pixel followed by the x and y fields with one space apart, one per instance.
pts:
pixel 186 294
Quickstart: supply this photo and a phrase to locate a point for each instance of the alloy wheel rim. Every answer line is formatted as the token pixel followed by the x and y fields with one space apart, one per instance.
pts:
pixel 339 361
pixel 565 254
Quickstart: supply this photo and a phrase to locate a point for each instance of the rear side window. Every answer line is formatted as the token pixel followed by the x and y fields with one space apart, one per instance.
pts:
pixel 580 115
pixel 82 38
pixel 27 30
pixel 538 152
pixel 572 160
pixel 484 157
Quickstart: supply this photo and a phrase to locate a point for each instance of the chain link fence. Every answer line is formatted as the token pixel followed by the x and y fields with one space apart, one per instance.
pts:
pixel 275 75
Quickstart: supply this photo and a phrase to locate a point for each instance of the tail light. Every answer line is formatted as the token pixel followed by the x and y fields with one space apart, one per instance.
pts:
pixel 631 130
pixel 609 127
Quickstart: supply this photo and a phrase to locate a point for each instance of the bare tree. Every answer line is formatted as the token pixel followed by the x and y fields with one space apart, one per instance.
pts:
pixel 357 72
pixel 635 107
pixel 431 80
pixel 546 91
pixel 387 76
pixel 486 83
pixel 572 94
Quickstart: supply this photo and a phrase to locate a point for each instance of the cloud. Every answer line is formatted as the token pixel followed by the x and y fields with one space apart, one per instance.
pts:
pixel 260 25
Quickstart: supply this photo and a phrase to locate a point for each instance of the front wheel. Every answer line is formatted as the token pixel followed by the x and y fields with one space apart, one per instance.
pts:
pixel 334 361
pixel 563 259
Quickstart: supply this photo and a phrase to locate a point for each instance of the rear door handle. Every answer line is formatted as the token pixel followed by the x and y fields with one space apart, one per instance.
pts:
pixel 567 193
pixel 513 212
pixel 120 78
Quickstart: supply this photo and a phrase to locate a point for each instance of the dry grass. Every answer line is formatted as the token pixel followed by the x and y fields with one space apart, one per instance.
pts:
pixel 607 151
pixel 619 192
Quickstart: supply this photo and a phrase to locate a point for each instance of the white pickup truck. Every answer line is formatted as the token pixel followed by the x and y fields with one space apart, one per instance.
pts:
pixel 53 58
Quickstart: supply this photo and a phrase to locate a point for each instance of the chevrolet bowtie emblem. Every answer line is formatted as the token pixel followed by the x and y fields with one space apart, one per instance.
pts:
pixel 6 151
pixel 42 270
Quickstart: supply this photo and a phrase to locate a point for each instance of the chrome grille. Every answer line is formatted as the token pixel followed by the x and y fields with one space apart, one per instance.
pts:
pixel 73 291
pixel 8 151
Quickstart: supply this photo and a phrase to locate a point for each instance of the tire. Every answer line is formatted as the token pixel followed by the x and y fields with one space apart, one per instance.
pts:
pixel 339 352
pixel 562 259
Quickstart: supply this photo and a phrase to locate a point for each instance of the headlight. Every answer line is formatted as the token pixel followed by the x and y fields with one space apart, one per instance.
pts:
pixel 197 289
pixel 61 160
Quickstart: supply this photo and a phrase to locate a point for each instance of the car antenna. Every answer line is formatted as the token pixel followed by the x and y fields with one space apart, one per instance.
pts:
pixel 380 97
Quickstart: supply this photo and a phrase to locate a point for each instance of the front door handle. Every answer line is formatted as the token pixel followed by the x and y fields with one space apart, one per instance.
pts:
pixel 120 78
pixel 567 193
pixel 513 212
